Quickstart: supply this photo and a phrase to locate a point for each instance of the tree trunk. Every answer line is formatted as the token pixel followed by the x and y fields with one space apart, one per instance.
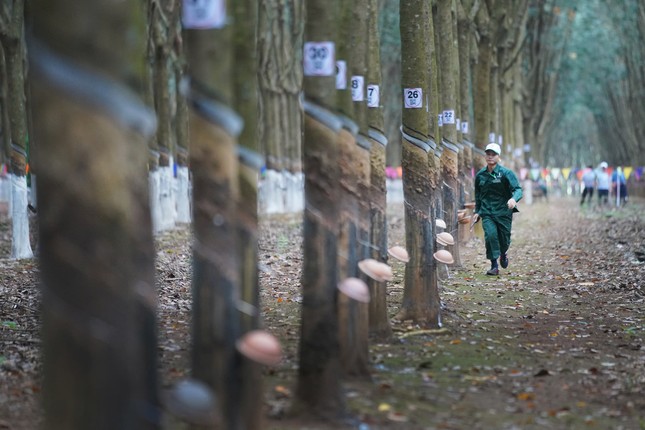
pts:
pixel 97 253
pixel 165 14
pixel 5 126
pixel 280 34
pixel 184 214
pixel 245 79
pixel 149 97
pixel 13 43
pixel 354 165
pixel 464 33
pixel 434 157
pixel 379 322
pixel 318 391
pixel 214 128
pixel 448 97
pixel 481 87
pixel 420 300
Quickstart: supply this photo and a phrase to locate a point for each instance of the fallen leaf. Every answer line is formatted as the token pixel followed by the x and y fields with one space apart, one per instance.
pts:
pixel 384 407
pixel 526 396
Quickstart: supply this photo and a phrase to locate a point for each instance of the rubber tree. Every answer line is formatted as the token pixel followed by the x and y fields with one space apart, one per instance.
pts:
pixel 390 52
pixel 214 128
pixel 510 43
pixel 245 83
pixel 466 10
pixel 420 302
pixel 481 85
pixel 5 133
pixel 353 160
pixel 96 244
pixel 318 391
pixel 149 96
pixel 180 127
pixel 164 15
pixel 447 107
pixel 436 150
pixel 379 322
pixel 12 38
pixel 280 33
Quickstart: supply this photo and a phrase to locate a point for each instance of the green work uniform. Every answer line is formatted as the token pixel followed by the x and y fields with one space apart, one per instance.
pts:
pixel 492 192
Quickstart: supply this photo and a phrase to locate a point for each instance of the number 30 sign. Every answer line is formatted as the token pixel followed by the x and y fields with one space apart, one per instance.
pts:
pixel 319 59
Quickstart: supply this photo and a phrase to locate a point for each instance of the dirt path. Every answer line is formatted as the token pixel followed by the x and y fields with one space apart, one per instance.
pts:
pixel 554 342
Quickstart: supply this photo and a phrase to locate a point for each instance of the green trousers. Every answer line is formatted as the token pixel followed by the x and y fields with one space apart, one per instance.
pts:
pixel 497 234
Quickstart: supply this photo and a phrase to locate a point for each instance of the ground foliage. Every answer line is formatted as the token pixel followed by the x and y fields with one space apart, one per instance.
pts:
pixel 556 341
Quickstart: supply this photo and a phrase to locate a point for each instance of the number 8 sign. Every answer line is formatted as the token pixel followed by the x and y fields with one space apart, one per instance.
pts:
pixel 413 98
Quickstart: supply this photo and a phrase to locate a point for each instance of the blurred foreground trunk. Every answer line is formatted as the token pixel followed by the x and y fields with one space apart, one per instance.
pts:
pixel 97 254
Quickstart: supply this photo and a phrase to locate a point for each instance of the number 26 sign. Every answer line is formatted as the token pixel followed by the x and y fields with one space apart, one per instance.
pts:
pixel 413 98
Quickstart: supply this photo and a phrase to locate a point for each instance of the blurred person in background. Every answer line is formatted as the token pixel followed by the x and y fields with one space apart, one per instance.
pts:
pixel 619 185
pixel 589 183
pixel 602 178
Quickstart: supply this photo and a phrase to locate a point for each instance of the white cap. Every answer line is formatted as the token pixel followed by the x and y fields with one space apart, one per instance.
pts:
pixel 493 147
pixel 603 165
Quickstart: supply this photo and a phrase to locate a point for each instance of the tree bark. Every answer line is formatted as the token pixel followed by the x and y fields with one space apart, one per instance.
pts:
pixel 448 97
pixel 245 81
pixel 13 43
pixel 214 129
pixel 481 87
pixel 465 35
pixel 318 392
pixel 354 174
pixel 280 33
pixel 420 300
pixel 379 323
pixel 97 253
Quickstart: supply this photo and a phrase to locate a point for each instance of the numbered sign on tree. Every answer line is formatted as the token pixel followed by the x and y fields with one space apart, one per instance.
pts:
pixel 413 98
pixel 358 83
pixel 341 75
pixel 204 14
pixel 449 117
pixel 373 96
pixel 319 59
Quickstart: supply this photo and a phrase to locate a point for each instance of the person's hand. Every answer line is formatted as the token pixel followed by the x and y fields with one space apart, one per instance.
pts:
pixel 511 203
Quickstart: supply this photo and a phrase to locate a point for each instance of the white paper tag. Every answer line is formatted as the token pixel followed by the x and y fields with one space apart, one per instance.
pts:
pixel 204 14
pixel 491 138
pixel 464 127
pixel 458 125
pixel 341 75
pixel 449 117
pixel 373 96
pixel 413 98
pixel 358 88
pixel 319 59
pixel 440 120
pixel 500 140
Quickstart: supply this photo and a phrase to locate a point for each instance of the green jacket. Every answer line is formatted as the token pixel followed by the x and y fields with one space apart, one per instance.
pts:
pixel 492 191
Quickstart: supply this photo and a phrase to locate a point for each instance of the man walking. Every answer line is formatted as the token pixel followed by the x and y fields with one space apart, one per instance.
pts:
pixel 497 192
